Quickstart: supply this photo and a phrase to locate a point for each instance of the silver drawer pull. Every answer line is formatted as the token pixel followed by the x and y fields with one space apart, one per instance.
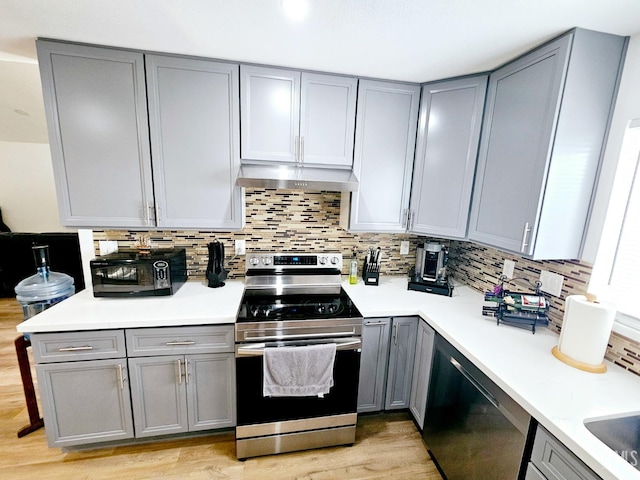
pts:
pixel 75 349
pixel 176 342
pixel 369 324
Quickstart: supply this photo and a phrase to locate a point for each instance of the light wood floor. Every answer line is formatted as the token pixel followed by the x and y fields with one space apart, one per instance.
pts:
pixel 387 446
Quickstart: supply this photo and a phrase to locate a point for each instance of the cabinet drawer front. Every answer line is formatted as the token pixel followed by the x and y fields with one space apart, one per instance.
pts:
pixel 144 342
pixel 75 346
pixel 555 461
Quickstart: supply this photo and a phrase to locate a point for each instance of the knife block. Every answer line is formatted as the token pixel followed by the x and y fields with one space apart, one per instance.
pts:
pixel 370 273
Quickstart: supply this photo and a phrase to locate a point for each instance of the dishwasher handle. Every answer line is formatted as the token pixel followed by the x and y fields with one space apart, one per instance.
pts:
pixel 485 393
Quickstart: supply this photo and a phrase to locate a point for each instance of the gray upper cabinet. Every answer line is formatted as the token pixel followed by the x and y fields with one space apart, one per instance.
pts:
pixel 386 124
pixel 95 103
pixel 446 153
pixel 288 116
pixel 194 117
pixel 544 129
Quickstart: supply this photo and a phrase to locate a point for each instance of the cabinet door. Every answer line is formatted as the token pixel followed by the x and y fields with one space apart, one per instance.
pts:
pixel 401 357
pixel 386 126
pixel 159 395
pixel 270 113
pixel 327 119
pixel 522 106
pixel 211 391
pixel 421 372
pixel 194 120
pixel 85 402
pixel 95 103
pixel 447 149
pixel 373 364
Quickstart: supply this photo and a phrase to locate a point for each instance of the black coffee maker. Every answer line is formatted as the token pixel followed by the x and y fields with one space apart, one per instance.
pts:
pixel 216 274
pixel 430 273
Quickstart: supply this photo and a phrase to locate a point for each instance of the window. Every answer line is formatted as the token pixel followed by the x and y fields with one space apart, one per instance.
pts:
pixel 616 275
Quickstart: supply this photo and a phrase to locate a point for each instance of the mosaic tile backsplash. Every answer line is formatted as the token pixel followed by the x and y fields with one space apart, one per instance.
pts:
pixel 306 221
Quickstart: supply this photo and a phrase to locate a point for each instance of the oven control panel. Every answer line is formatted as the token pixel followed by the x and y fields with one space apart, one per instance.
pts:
pixel 279 261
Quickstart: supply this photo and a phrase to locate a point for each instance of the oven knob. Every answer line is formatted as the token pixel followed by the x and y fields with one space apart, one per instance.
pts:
pixel 266 260
pixel 335 260
pixel 254 261
pixel 322 260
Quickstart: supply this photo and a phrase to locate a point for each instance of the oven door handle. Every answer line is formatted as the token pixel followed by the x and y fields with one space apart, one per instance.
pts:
pixel 299 336
pixel 257 349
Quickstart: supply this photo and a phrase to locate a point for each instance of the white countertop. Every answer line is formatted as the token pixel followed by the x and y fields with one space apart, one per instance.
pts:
pixel 558 396
pixel 193 304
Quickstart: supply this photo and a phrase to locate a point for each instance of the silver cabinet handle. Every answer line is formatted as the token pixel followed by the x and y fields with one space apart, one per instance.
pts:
pixel 367 324
pixel 296 148
pixel 75 349
pixel 186 371
pixel 301 149
pixel 527 229
pixel 412 219
pixel 179 367
pixel 147 219
pixel 178 342
pixel 395 333
pixel 157 212
pixel 405 216
pixel 120 377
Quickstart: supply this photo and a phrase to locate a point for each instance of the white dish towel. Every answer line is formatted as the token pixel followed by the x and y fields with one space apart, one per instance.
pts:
pixel 298 371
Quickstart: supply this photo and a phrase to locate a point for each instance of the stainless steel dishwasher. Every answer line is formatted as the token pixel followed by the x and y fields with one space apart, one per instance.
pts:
pixel 473 429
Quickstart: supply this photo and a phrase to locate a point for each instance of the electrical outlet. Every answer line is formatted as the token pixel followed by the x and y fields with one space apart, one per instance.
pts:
pixel 404 247
pixel 241 247
pixel 107 246
pixel 508 267
pixel 551 283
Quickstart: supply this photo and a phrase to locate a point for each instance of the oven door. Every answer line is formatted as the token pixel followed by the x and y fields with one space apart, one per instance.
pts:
pixel 253 408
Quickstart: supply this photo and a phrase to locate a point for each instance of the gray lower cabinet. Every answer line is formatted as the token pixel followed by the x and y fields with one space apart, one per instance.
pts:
pixel 182 393
pixel 290 116
pixel 84 386
pixel 182 378
pixel 386 124
pixel 102 143
pixel 96 109
pixel 544 129
pixel 446 154
pixel 421 372
pixel 551 460
pixel 386 365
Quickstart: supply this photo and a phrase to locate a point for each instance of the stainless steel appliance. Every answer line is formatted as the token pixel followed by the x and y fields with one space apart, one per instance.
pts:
pixel 473 429
pixel 295 300
pixel 430 274
pixel 135 274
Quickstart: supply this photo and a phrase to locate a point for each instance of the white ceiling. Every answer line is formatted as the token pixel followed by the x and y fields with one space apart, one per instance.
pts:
pixel 411 40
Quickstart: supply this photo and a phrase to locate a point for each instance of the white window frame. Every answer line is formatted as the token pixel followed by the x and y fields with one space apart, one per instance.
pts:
pixel 628 169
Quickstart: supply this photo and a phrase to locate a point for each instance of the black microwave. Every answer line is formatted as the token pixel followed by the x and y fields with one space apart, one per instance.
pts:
pixel 135 274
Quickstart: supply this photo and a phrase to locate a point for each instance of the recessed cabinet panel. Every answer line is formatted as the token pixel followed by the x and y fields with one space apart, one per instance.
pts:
pixel 386 126
pixel 446 153
pixel 95 103
pixel 270 113
pixel 401 359
pixel 194 120
pixel 327 119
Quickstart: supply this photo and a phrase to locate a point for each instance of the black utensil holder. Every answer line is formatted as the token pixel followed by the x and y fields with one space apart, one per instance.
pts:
pixel 217 279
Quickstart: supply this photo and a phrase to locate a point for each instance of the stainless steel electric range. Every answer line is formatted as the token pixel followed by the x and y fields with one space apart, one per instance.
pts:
pixel 295 300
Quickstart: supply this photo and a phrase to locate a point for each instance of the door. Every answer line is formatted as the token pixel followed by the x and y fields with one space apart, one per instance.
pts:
pixel 523 100
pixel 159 395
pixel 401 357
pixel 386 125
pixel 373 365
pixel 270 113
pixel 421 372
pixel 85 402
pixel 211 392
pixel 95 103
pixel 327 119
pixel 446 154
pixel 194 115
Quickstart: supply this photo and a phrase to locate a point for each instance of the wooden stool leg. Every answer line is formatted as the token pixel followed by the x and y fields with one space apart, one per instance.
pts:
pixel 29 391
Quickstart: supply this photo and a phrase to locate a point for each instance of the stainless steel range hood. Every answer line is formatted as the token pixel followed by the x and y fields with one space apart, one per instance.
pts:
pixel 297 177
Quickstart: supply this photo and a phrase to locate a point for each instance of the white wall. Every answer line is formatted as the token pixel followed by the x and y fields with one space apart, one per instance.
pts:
pixel 27 191
pixel 627 108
